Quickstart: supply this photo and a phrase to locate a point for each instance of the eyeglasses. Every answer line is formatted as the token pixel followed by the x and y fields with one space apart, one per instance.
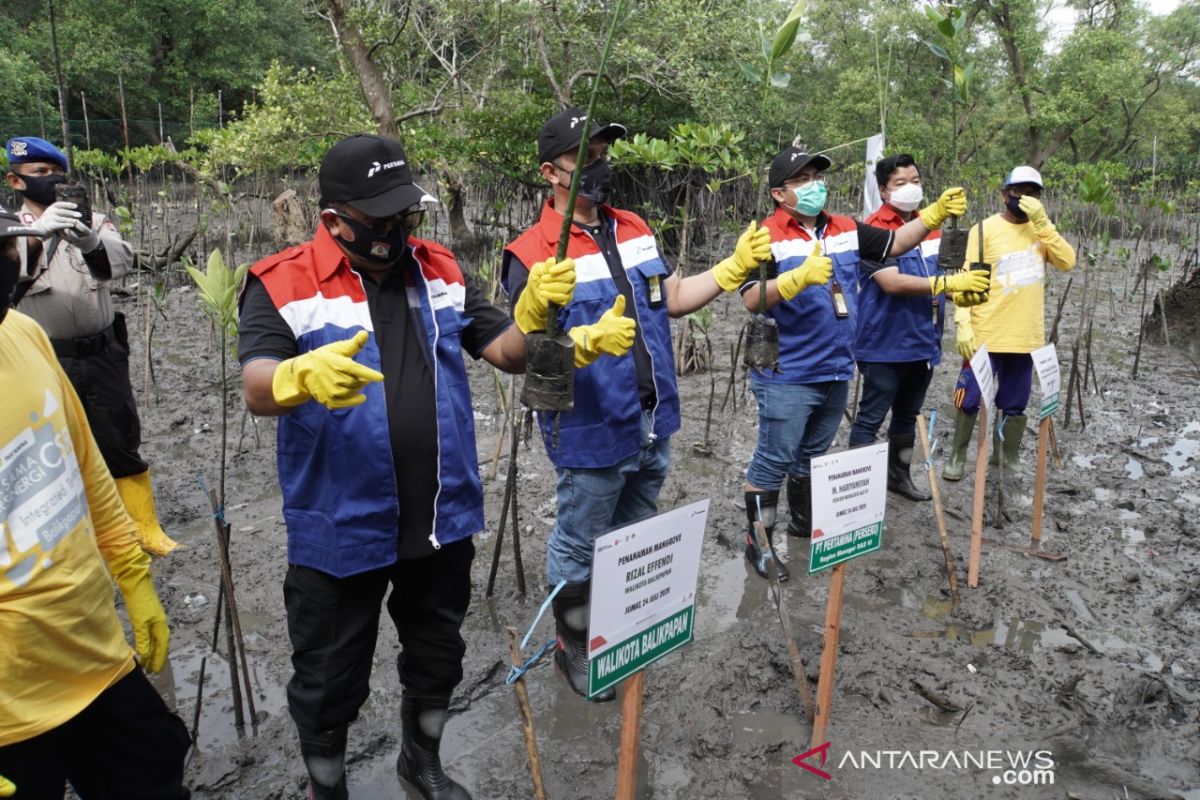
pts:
pixel 1016 191
pixel 409 219
pixel 800 183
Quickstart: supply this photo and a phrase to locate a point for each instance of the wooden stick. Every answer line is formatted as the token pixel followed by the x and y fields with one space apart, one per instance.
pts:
pixel 631 736
pixel 535 763
pixel 491 474
pixel 1039 483
pixel 981 464
pixel 799 674
pixel 222 534
pixel 935 490
pixel 1183 598
pixel 1058 462
pixel 833 628
pixel 510 488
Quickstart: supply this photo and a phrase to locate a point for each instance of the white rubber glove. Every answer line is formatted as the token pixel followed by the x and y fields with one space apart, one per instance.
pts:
pixel 82 237
pixel 57 217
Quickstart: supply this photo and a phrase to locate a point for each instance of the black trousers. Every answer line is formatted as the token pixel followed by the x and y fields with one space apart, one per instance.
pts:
pixel 126 745
pixel 334 623
pixel 102 382
pixel 899 386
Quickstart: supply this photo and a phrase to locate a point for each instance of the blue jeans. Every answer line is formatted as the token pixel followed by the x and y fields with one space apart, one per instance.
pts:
pixel 900 386
pixel 592 502
pixel 796 421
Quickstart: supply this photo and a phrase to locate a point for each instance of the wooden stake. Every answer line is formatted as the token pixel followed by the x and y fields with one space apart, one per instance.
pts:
pixel 981 464
pixel 799 674
pixel 87 129
pixel 935 490
pixel 1045 429
pixel 631 736
pixel 125 132
pixel 535 763
pixel 833 629
pixel 222 534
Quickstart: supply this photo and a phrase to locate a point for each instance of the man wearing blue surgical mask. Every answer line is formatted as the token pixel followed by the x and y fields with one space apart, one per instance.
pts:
pixel 901 315
pixel 812 295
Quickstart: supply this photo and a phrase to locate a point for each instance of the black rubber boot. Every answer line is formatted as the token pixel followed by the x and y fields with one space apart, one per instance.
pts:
pixel 324 754
pixel 899 478
pixel 570 607
pixel 799 494
pixel 419 764
pixel 767 503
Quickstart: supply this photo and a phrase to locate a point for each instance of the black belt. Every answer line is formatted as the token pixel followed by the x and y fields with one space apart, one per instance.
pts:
pixel 85 345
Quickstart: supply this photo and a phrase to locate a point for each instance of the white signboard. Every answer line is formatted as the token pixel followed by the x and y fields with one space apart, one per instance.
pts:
pixel 849 495
pixel 643 593
pixel 981 367
pixel 1045 361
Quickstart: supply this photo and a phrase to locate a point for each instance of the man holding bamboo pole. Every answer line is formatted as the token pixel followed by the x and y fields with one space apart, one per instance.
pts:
pixel 612 451
pixel 74 705
pixel 355 340
pixel 812 295
pixel 1018 243
pixel 901 315
pixel 64 286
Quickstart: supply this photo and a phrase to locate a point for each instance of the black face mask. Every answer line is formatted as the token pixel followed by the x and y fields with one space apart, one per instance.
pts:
pixel 10 271
pixel 1013 204
pixel 40 188
pixel 595 181
pixel 373 243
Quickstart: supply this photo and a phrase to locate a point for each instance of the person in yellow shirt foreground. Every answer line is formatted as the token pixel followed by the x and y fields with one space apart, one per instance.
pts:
pixel 1018 243
pixel 74 706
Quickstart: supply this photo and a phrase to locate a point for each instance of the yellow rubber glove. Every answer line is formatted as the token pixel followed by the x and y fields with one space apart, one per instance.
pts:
pixel 753 247
pixel 329 375
pixel 952 203
pixel 964 334
pixel 7 787
pixel 967 299
pixel 973 280
pixel 816 270
pixel 611 334
pixel 151 636
pixel 550 281
pixel 1036 212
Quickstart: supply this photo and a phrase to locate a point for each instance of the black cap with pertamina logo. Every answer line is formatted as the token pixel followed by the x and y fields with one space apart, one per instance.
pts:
pixel 791 161
pixel 561 133
pixel 371 174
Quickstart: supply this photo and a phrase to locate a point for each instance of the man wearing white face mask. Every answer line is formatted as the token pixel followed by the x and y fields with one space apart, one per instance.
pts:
pixel 812 294
pixel 899 338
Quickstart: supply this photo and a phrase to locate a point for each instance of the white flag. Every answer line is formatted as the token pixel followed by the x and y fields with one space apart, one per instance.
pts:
pixel 871 199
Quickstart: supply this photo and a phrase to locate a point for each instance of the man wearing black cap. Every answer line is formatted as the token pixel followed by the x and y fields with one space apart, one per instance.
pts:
pixel 800 403
pixel 355 340
pixel 64 286
pixel 612 451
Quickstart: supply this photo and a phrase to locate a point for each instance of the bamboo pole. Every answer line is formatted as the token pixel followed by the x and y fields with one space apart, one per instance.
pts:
pixel 87 125
pixel 631 735
pixel 535 763
pixel 981 464
pixel 935 490
pixel 1039 484
pixel 234 622
pixel 833 629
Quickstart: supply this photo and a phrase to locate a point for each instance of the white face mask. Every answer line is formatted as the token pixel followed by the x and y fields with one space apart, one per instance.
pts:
pixel 908 197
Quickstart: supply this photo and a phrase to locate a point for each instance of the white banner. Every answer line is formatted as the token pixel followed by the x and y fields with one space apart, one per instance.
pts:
pixel 871 199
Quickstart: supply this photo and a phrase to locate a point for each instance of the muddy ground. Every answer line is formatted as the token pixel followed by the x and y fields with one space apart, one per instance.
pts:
pixel 1068 657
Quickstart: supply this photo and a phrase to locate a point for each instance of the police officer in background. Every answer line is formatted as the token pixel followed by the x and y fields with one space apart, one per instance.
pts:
pixel 63 285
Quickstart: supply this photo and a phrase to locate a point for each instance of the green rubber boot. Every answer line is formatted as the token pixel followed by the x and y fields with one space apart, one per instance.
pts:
pixel 1014 432
pixel 964 426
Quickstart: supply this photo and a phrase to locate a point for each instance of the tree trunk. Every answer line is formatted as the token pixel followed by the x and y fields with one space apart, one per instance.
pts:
pixel 370 79
pixel 456 207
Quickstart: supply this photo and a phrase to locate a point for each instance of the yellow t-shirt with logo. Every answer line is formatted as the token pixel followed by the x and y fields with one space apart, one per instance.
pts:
pixel 1013 318
pixel 61 643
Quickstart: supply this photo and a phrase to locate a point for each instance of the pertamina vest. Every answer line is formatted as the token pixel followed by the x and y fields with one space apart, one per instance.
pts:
pixel 335 466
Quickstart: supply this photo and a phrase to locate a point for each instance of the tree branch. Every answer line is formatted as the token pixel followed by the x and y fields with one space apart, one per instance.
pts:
pixel 564 98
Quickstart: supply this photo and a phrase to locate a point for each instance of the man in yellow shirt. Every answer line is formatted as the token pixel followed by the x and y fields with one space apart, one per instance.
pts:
pixel 74 707
pixel 1018 243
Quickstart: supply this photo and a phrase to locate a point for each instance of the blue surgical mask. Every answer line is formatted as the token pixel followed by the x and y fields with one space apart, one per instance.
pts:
pixel 810 198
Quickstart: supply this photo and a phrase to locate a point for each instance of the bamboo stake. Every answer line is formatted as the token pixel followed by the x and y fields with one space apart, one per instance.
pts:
pixel 87 127
pixel 222 534
pixel 535 763
pixel 125 133
pixel 981 463
pixel 935 490
pixel 510 485
pixel 799 673
pixel 1039 484
pixel 631 735
pixel 833 629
